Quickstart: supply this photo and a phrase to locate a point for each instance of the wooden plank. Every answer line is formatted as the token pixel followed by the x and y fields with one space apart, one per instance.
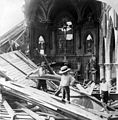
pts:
pixel 13 72
pixel 18 62
pixel 8 113
pixel 42 97
pixel 26 58
pixel 29 112
pixel 12 64
pixel 9 110
pixel 26 81
pixel 5 116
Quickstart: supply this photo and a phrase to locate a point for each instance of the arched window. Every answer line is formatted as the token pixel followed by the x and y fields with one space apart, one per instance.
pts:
pixel 89 43
pixel 65 42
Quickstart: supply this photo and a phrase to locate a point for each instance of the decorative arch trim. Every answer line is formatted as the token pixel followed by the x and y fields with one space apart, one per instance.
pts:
pixel 89 6
pixel 60 7
pixel 88 42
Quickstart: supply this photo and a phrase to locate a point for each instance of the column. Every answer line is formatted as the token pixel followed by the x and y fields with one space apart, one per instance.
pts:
pixel 77 42
pixel 116 57
pixel 101 55
pixel 108 72
pixel 101 71
pixel 116 65
pixel 53 44
pixel 30 39
pixel 107 60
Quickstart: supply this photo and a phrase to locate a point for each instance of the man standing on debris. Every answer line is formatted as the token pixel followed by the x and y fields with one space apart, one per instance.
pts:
pixel 66 81
pixel 40 71
pixel 104 90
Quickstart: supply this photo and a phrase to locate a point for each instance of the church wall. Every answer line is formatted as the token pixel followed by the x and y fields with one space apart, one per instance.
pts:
pixel 43 23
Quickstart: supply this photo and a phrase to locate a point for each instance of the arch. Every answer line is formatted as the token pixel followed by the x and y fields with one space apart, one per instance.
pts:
pixel 89 12
pixel 112 3
pixel 62 15
pixel 69 43
pixel 60 7
pixel 88 42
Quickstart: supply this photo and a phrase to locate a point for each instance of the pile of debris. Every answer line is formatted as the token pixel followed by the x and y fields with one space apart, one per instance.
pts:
pixel 21 100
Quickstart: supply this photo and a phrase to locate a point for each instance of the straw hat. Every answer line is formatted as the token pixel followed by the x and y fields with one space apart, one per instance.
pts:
pixel 64 69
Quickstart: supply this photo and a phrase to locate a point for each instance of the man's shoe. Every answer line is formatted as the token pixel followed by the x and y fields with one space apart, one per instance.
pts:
pixel 68 102
pixel 63 100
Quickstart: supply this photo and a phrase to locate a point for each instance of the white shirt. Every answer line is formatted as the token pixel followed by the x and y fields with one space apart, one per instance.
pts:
pixel 104 87
pixel 67 80
pixel 41 71
pixel 38 72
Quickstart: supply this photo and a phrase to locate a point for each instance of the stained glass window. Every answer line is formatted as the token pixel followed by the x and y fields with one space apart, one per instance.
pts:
pixel 65 36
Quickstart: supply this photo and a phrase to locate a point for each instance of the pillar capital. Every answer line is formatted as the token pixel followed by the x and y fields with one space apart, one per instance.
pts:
pixel 101 64
pixel 108 65
pixel 116 65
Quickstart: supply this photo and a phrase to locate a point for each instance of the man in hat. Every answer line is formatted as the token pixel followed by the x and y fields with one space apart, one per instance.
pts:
pixel 66 81
pixel 104 90
pixel 40 71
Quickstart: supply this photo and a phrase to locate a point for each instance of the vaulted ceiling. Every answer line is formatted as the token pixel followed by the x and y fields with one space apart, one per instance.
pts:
pixel 48 10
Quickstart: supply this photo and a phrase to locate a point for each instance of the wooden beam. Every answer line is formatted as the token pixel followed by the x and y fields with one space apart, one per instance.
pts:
pixel 29 112
pixel 45 99
pixel 9 110
pixel 12 64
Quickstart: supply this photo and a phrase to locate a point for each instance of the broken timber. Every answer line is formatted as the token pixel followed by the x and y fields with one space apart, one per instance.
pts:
pixel 18 65
pixel 17 68
pixel 8 113
pixel 46 100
